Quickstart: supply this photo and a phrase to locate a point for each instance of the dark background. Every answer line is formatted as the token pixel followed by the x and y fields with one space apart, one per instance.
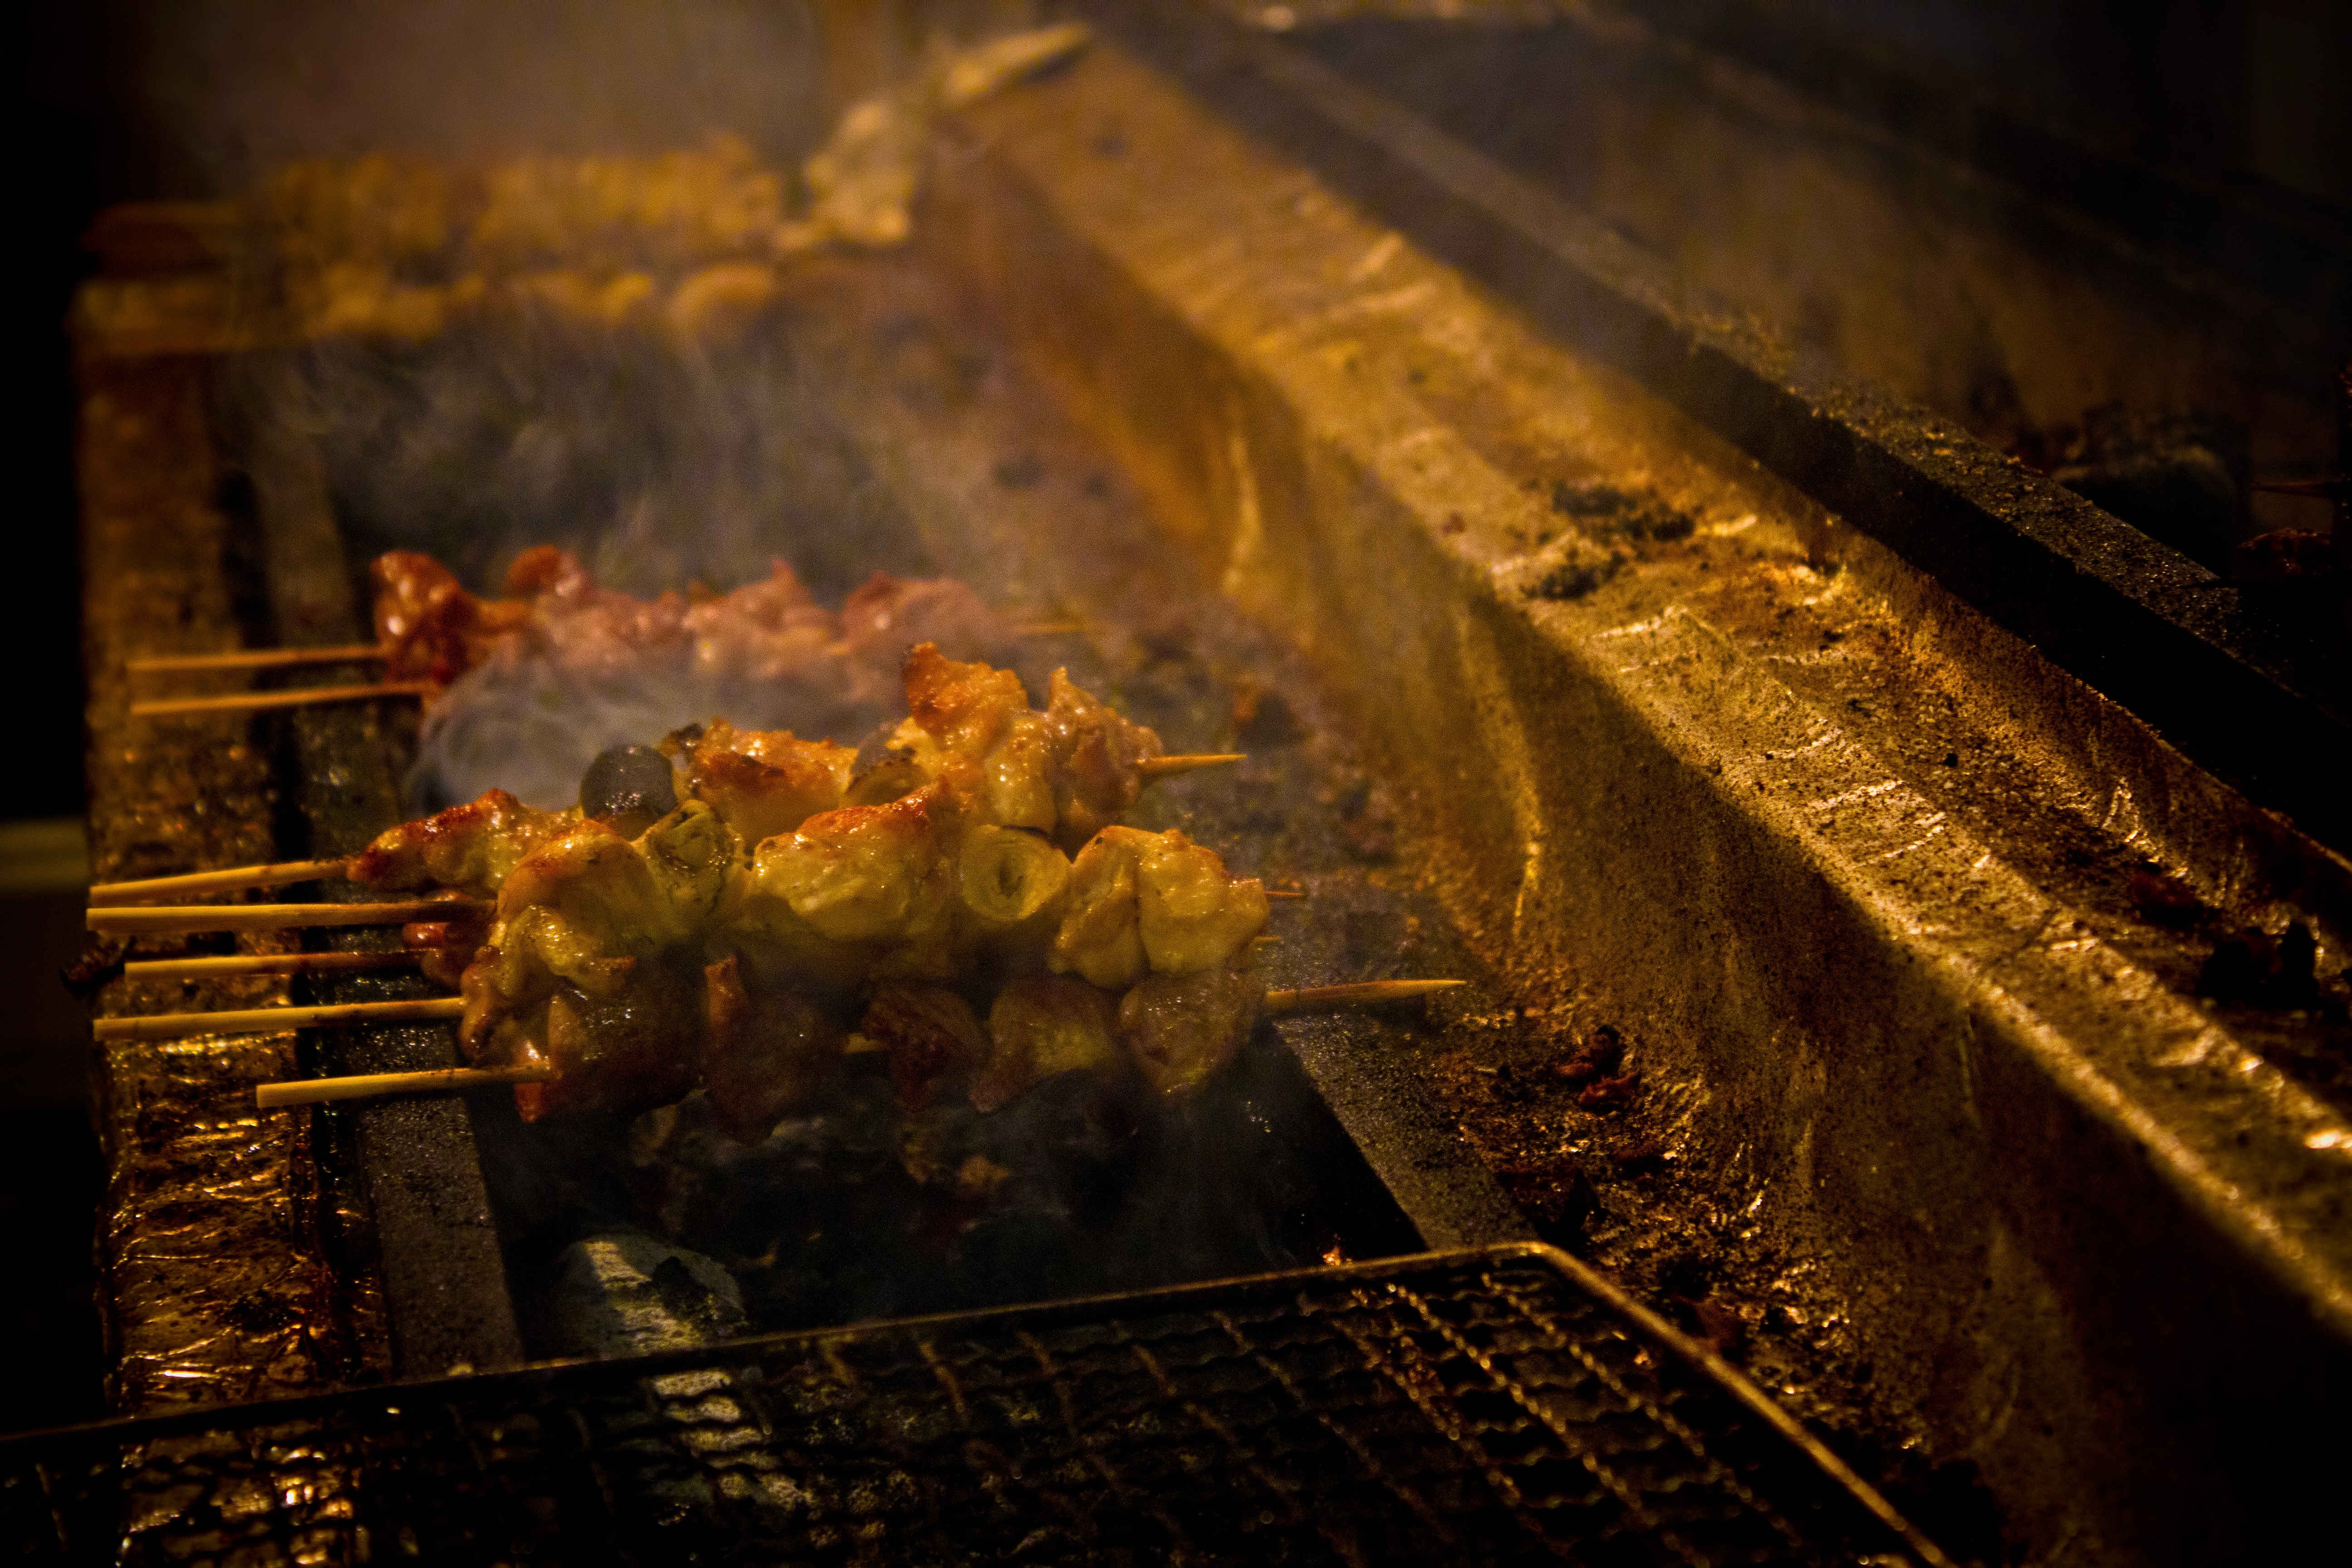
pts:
pixel 2256 95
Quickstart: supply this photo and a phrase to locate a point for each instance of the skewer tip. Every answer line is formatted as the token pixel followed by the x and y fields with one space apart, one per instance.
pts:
pixel 1167 767
pixel 1363 993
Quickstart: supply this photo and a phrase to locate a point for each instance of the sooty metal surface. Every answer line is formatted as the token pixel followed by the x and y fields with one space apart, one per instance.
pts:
pixel 1496 1405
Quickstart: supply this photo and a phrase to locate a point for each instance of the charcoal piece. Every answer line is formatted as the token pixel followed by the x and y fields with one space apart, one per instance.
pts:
pixel 2182 479
pixel 2249 965
pixel 1598 1057
pixel 2164 901
pixel 1569 581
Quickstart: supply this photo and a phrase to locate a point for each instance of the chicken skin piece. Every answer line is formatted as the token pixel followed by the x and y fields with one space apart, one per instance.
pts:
pixel 470 849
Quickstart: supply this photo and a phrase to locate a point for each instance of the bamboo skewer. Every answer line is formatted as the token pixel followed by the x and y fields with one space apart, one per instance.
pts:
pixel 271 1020
pixel 233 879
pixel 368 1086
pixel 1363 993
pixel 376 653
pixel 256 658
pixel 261 701
pixel 269 963
pixel 181 919
pixel 1152 768
pixel 2320 489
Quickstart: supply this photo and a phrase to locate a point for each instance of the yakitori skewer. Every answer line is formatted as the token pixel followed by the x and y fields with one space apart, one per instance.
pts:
pixel 262 701
pixel 304 1091
pixel 256 658
pixel 286 873
pixel 182 919
pixel 271 1020
pixel 270 964
pixel 370 1086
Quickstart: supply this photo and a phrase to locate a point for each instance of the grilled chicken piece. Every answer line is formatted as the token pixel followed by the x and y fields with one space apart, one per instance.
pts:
pixel 916 884
pixel 767 1048
pixel 763 782
pixel 1068 771
pixel 1159 903
pixel 445 947
pixel 595 962
pixel 886 615
pixel 866 873
pixel 1040 1026
pixel 930 1035
pixel 428 626
pixel 470 849
pixel 1181 1029
pixel 769 629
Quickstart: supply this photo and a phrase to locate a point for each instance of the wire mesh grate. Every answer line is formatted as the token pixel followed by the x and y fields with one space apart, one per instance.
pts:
pixel 1488 1406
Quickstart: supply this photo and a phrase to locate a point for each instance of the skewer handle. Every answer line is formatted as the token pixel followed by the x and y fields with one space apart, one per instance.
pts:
pixel 255 658
pixel 311 1091
pixel 283 874
pixel 1328 998
pixel 181 919
pixel 271 1020
pixel 268 963
pixel 261 701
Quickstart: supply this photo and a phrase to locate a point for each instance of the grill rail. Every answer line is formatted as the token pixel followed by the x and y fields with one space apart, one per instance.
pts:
pixel 1492 1406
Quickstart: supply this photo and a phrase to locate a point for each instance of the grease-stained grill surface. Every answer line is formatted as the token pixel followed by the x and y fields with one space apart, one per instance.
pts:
pixel 1498 1406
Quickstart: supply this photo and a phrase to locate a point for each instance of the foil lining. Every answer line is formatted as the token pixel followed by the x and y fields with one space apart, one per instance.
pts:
pixel 225 1272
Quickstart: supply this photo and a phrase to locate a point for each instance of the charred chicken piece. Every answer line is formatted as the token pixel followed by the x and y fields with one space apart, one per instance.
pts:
pixel 1181 1029
pixel 765 1050
pixel 1039 1026
pixel 443 947
pixel 470 849
pixel 930 1035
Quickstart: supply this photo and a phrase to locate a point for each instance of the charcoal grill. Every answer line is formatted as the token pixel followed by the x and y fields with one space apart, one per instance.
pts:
pixel 1496 1406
